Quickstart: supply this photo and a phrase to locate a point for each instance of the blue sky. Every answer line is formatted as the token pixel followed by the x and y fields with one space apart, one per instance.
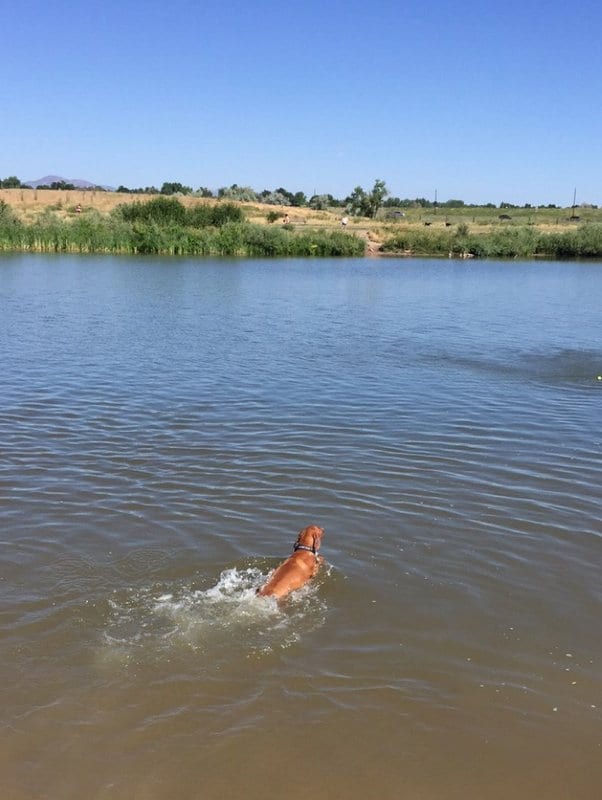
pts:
pixel 481 101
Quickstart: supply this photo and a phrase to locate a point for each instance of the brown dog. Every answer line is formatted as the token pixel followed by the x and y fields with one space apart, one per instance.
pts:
pixel 299 567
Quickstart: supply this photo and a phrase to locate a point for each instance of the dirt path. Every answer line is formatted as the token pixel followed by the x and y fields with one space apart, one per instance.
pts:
pixel 372 243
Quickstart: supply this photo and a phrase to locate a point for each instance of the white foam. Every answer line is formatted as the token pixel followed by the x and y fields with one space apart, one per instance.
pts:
pixel 225 621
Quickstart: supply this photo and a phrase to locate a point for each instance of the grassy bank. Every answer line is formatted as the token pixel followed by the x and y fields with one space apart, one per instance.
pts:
pixel 109 222
pixel 584 241
pixel 167 227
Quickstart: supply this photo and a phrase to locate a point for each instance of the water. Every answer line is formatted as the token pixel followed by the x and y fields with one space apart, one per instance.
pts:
pixel 166 428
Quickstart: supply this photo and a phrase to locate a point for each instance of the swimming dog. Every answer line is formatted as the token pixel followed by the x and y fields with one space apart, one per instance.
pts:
pixel 300 567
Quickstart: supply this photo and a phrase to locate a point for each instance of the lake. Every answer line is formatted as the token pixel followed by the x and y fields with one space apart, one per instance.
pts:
pixel 167 426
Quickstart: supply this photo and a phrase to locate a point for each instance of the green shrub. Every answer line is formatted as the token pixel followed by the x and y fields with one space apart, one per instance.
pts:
pixel 160 210
pixel 170 211
pixel 222 213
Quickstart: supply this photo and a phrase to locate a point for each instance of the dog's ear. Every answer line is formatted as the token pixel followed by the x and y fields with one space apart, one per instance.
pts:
pixel 317 537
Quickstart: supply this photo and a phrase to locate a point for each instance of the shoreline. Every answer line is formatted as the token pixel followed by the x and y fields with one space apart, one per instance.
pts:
pixel 93 221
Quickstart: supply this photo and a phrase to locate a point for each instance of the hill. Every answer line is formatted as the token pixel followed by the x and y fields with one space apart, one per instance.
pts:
pixel 48 180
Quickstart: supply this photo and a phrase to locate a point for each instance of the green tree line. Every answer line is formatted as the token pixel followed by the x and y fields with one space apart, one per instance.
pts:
pixel 360 202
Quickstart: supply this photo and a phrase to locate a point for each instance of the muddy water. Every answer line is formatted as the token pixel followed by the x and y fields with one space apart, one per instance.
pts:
pixel 166 427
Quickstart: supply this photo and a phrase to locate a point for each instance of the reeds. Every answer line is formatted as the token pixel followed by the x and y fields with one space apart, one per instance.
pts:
pixel 167 228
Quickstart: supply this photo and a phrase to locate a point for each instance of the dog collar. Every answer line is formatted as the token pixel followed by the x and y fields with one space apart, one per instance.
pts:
pixel 304 547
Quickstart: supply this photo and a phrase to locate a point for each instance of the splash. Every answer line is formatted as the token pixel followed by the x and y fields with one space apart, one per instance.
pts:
pixel 223 622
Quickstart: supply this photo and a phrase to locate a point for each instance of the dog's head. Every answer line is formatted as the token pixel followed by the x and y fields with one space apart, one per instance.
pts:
pixel 311 537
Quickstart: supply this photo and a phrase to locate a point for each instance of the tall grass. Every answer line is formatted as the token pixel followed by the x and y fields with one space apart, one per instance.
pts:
pixel 164 230
pixel 520 241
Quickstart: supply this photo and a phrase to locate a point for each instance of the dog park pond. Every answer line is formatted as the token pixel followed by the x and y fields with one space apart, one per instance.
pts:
pixel 167 426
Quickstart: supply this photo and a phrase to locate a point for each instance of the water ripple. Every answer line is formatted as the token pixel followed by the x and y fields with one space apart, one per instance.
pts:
pixel 166 428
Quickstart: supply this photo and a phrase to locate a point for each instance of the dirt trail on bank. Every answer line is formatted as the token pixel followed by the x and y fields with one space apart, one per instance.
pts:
pixel 371 241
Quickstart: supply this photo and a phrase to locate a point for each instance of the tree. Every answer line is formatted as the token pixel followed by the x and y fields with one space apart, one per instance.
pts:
pixel 285 193
pixel 175 188
pixel 299 199
pixel 357 202
pixel 61 185
pixel 275 199
pixel 319 202
pixel 376 197
pixel 282 197
pixel 362 203
pixel 236 192
pixel 11 182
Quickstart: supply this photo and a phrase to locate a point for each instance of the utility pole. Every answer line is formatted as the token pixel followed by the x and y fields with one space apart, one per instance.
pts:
pixel 574 200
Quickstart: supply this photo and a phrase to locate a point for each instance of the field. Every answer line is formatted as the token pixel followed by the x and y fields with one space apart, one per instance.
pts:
pixel 479 217
pixel 30 203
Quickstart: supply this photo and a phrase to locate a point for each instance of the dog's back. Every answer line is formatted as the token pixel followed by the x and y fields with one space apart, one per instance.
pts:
pixel 300 567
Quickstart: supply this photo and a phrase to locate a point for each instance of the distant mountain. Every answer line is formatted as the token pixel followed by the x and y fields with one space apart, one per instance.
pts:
pixel 47 180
